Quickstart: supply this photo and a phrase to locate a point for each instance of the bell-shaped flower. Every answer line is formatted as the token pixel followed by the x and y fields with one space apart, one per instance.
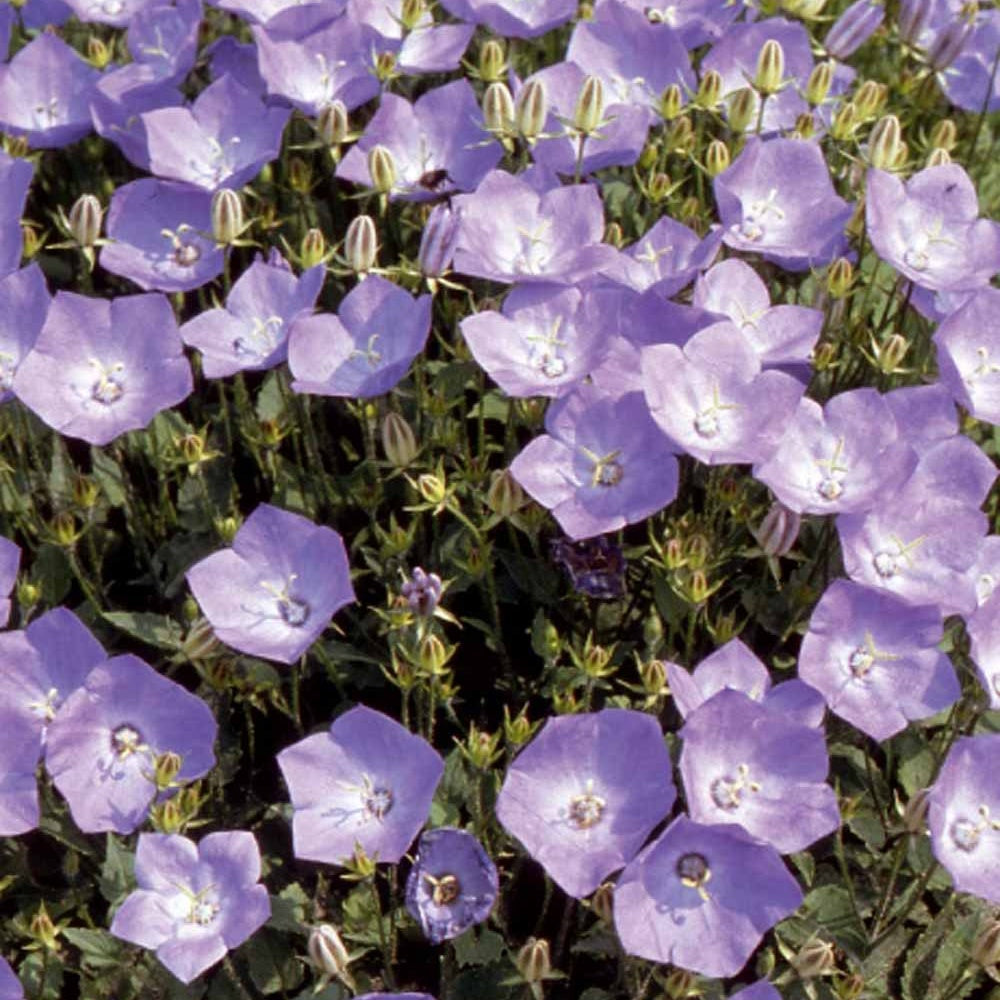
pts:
pixel 10 985
pixel 165 39
pixel 585 793
pixel 970 82
pixel 968 354
pixel 277 588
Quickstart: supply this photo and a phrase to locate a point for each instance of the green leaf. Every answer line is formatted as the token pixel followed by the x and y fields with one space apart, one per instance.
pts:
pixel 108 475
pixel 51 573
pixel 478 948
pixel 61 471
pixel 98 949
pixel 361 917
pixel 272 963
pixel 30 974
pixel 288 909
pixel 154 630
pixel 117 872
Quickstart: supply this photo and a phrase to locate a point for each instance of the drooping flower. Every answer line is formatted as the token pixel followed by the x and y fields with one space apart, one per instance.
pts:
pixel 100 368
pixel 702 897
pixel 367 781
pixel 277 588
pixel 103 743
pixel 195 902
pixel 452 885
pixel 583 796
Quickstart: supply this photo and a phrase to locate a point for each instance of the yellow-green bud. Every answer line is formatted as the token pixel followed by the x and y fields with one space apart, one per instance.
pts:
pixel 680 136
pixel 85 220
pixel 944 135
pixel 870 98
pixel 99 54
pixel 589 106
pixel 673 554
pixel 602 902
pixel 819 83
pixel 328 954
pixel 614 236
pixel 433 487
pixel 28 594
pixel 300 175
pixel 227 216
pixel 742 109
pixel 680 984
pixel 716 158
pixel 595 661
pixel 312 249
pixel 332 124
pixel 851 987
pixel 696 552
pixel 385 66
pixel 883 143
pixel 648 157
pixel 986 947
pixel 43 930
pixel 411 12
pixel 891 354
pixel 671 102
pixel 839 278
pixel 481 748
pixel 845 121
pixel 770 68
pixel 531 109
pixel 398 440
pixel 166 769
pixel 805 125
pixel 709 90
pixel 85 492
pixel 64 529
pixel 699 588
pixel 433 655
pixel 938 157
pixel 226 527
pixel 16 145
pixel 382 168
pixel 505 495
pixel 653 674
pixel 813 959
pixel 361 244
pixel 519 729
pixel 659 187
pixel 492 61
pixel 533 960
pixel 498 109
pixel 31 242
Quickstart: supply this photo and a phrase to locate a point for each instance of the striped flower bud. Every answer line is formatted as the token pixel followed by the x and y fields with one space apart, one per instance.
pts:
pixel 531 108
pixel 361 244
pixel 845 121
pixel 312 249
pixel 589 106
pixel 944 135
pixel 671 102
pixel 227 217
pixel 778 531
pixel 382 168
pixel 742 109
pixel 709 90
pixel 332 124
pixel 770 68
pixel 716 158
pixel 912 19
pixel 498 109
pixel 398 440
pixel 492 62
pixel 818 85
pixel 85 220
pixel 328 954
pixel 938 157
pixel 839 278
pixel 883 143
pixel 870 98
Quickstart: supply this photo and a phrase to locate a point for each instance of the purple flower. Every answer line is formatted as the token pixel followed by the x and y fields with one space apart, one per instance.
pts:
pixel 603 463
pixel 10 560
pixel 103 743
pixel 984 636
pixel 968 354
pixel 511 18
pixel 159 233
pixel 970 81
pixel 777 200
pixel 222 140
pixel 19 810
pixel 15 180
pixel 114 12
pixel 251 333
pixel 166 38
pixel 853 28
pixel 702 897
pixel 195 902
pixel 26 303
pixel 366 348
pixel 583 796
pixel 875 660
pixel 596 566
pixel 706 396
pixel 964 816
pixel 10 985
pixel 367 781
pixel 452 885
pixel 422 592
pixel 744 763
pixel 929 230
pixel 100 368
pixel 277 588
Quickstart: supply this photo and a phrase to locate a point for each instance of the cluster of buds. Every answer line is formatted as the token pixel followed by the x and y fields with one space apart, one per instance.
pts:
pixel 177 813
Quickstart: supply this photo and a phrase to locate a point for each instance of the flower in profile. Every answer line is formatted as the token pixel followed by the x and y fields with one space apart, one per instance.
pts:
pixel 875 659
pixel 277 588
pixel 585 793
pixel 100 368
pixel 452 885
pixel 367 782
pixel 702 897
pixel 102 745
pixel 195 902
pixel 964 816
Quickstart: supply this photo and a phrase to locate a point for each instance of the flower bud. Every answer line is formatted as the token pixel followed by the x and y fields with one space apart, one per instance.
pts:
pixel 498 109
pixel 883 143
pixel 85 492
pixel 819 83
pixel 411 12
pixel 890 355
pixel 870 98
pixel 614 236
pixel 589 109
pixel 944 135
pixel 915 812
pixel 533 960
pixel 699 588
pixel 518 730
pixel 815 958
pixel 167 767
pixel 671 102
pixel 845 121
pixel 422 591
pixel 505 495
pixel 481 748
pixel 99 54
pixel 709 90
pixel 85 220
pixel 948 44
pixel 43 930
pixel 716 158
pixel 673 554
pixel 779 530
pixel 31 242
pixel 986 947
pixel 659 187
pixel 385 66
pixel 226 528
pixel 433 655
pixel 300 177
pixel 398 440
pixel 332 125
pixel 938 157
pixel 360 244
pixel 433 487
pixel 64 529
pixel 328 954
pixel 680 136
pixel 851 987
pixel 382 168
pixel 531 110
pixel 438 240
pixel 312 249
pixel 492 62
pixel 839 278
pixel 653 674
pixel 680 984
pixel 770 68
pixel 28 594
pixel 742 109
pixel 853 28
pixel 912 19
pixel 200 642
pixel 805 126
pixel 227 217
pixel 602 902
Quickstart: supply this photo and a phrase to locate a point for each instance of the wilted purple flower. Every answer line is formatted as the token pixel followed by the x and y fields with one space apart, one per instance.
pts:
pixel 853 28
pixel 442 131
pixel 100 368
pixel 929 230
pixel 513 19
pixel 10 985
pixel 15 180
pixel 194 902
pixel 10 560
pixel 603 463
pixel 251 333
pixel 422 591
pixel 875 660
pixel 585 793
pixel 777 200
pixel 702 897
pixel 841 458
pixel 277 588
pixel 159 236
pixel 596 566
pixel 706 397
pixel 509 232
pixel 366 348
pixel 744 763
pixel 102 744
pixel 45 93
pixel 452 885
pixel 964 816
pixel 778 531
pixel 968 354
pixel 367 781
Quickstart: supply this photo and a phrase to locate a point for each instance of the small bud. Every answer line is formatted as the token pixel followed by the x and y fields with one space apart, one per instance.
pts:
pixel 870 98
pixel 312 249
pixel 332 124
pixel 742 109
pixel 680 984
pixel 85 492
pixel 851 987
pixel 673 554
pixel 648 157
pixel 411 12
pixel 43 930
pixel 699 588
pixel 778 531
pixel 696 552
pixel 680 136
pixel 709 90
pixel 498 109
pixel 433 487
pixel 481 748
pixel 361 244
pixel 883 143
pixel 659 187
pixel 226 527
pixel 596 660
pixel 948 44
pixel 824 357
pixel 770 68
pixel 716 158
pixel 433 655
pixel 845 121
pixel 64 529
pixel 614 236
pixel 300 176
pixel 382 168
pixel 31 242
pixel 99 54
pixel 422 592
pixel 938 157
pixel 839 278
pixel 589 110
pixel 16 146
pixel 492 61
pixel 166 768
pixel 819 83
pixel 944 135
pixel 653 674
pixel 890 355
pixel 545 639
pixel 85 220
pixel 385 66
pixel 328 954
pixel 602 902
pixel 533 960
pixel 805 125
pixel 815 958
pixel 671 102
pixel 519 729
pixel 398 440
pixel 505 495
pixel 986 947
pixel 853 28
pixel 531 110
pixel 438 241
pixel 28 594
pixel 227 217
pixel 915 812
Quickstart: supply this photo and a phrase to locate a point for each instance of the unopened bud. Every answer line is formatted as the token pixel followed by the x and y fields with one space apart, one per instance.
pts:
pixel 328 954
pixel 505 495
pixel 845 121
pixel 432 487
pixel 680 136
pixel 602 902
pixel 851 987
pixel 433 654
pixel 853 28
pixel 226 528
pixel 653 674
pixel 85 492
pixel 699 588
pixel 43 930
pixel 498 109
pixel 716 158
pixel 912 19
pixel 659 187
pixel 673 554
pixel 300 176
pixel 411 12
pixel 492 61
pixel 805 125
pixel 167 767
pixel 779 530
pixel 814 958
pixel 64 529
pixel 938 157
pixel 839 278
pixel 332 125
pixel 870 98
pixel 531 110
pixel 85 220
pixel 312 249
pixel 361 244
pixel 770 68
pixel 891 354
pixel 671 102
pixel 28 594
pixel 709 90
pixel 819 83
pixel 382 168
pixel 519 729
pixel 986 947
pixel 31 242
pixel 533 960
pixel 200 642
pixel 227 217
pixel 614 236
pixel 385 66
pixel 99 54
pixel 944 135
pixel 398 440
pixel 589 110
pixel 742 109
pixel 883 143
pixel 438 241
pixel 680 984
pixel 948 44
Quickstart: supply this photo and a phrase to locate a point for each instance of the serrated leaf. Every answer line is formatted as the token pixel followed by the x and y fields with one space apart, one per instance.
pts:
pixel 478 947
pixel 98 949
pixel 152 629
